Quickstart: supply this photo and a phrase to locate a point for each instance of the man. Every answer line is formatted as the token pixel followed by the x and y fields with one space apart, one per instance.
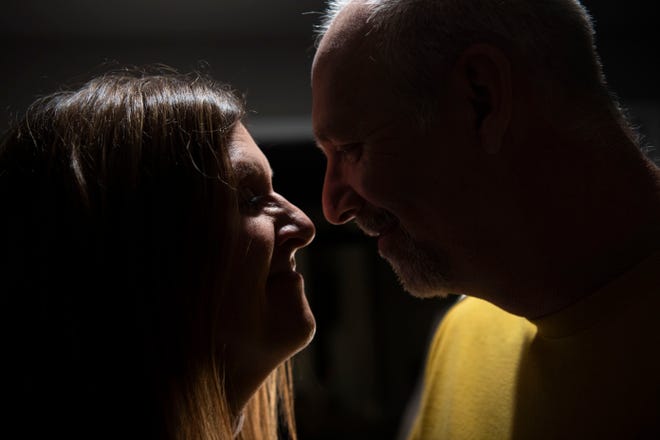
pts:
pixel 477 142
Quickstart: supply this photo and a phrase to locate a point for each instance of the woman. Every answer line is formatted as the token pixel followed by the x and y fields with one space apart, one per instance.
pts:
pixel 148 265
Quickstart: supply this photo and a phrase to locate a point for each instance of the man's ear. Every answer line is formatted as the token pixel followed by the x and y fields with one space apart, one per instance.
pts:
pixel 486 72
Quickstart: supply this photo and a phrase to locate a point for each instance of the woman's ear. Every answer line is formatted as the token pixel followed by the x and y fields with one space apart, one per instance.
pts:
pixel 486 71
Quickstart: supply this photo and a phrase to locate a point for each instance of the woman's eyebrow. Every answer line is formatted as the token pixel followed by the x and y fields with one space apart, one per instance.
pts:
pixel 247 168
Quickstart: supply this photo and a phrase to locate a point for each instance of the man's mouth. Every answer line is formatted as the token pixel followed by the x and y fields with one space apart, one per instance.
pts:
pixel 376 224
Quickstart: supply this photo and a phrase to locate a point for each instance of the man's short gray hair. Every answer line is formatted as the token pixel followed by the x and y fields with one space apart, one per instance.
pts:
pixel 418 39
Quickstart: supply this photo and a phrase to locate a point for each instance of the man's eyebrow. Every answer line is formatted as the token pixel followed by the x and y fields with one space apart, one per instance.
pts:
pixel 319 144
pixel 325 133
pixel 355 136
pixel 324 138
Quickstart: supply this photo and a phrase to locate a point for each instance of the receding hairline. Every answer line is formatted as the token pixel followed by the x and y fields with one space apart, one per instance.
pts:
pixel 414 39
pixel 342 27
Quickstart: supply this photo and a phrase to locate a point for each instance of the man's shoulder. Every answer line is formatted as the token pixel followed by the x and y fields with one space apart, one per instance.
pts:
pixel 479 311
pixel 472 322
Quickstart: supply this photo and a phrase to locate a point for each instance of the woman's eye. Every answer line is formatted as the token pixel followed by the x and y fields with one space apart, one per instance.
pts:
pixel 250 199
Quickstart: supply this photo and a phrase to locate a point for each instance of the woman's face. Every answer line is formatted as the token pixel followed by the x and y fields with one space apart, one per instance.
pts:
pixel 266 315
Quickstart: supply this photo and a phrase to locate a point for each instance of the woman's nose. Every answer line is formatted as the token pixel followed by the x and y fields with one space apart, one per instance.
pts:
pixel 297 231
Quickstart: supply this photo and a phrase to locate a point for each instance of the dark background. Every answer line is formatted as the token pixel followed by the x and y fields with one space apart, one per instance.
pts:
pixel 356 378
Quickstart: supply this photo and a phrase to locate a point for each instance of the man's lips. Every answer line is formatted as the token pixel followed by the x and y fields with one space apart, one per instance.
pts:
pixel 376 230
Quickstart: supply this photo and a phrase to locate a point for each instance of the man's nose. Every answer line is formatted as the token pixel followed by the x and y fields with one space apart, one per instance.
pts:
pixel 340 202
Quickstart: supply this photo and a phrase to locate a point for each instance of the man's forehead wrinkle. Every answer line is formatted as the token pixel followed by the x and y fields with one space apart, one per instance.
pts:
pixel 340 132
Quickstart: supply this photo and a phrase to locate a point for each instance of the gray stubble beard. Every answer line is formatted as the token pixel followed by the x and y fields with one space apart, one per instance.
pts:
pixel 421 271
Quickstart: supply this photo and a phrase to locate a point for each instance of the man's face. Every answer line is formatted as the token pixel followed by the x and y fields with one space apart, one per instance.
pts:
pixel 408 186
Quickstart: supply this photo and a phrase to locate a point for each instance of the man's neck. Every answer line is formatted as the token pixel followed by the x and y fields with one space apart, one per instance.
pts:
pixel 593 212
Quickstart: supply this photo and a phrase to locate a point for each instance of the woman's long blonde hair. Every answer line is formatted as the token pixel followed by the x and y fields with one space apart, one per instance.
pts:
pixel 120 216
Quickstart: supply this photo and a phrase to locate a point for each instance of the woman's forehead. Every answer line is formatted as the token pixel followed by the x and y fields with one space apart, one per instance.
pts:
pixel 244 154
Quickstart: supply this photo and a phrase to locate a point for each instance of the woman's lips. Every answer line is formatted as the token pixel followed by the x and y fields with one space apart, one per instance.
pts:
pixel 289 277
pixel 282 266
pixel 286 272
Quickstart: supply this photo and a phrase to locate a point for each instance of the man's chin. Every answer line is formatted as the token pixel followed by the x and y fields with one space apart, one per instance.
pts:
pixel 420 278
pixel 419 290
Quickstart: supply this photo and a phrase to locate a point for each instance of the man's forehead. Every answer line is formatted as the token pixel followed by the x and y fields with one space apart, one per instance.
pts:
pixel 346 33
pixel 343 77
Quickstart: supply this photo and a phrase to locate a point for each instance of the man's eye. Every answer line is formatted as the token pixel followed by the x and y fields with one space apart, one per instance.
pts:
pixel 350 152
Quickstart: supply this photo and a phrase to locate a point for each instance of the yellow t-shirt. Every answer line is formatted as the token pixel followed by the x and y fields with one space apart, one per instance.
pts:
pixel 591 371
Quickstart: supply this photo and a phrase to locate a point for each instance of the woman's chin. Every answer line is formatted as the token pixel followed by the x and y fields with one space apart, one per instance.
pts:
pixel 307 331
pixel 292 324
pixel 294 333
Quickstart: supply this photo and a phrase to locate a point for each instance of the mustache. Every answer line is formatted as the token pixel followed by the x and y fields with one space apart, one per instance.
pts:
pixel 374 221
